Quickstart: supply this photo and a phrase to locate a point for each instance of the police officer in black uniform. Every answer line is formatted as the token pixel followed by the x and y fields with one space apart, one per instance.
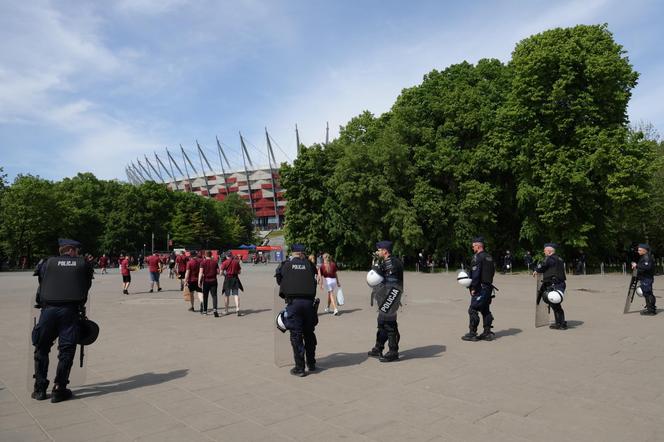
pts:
pixel 64 282
pixel 645 272
pixel 388 299
pixel 553 278
pixel 481 292
pixel 297 285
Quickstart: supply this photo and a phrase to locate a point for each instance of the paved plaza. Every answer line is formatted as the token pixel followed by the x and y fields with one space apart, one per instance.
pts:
pixel 161 373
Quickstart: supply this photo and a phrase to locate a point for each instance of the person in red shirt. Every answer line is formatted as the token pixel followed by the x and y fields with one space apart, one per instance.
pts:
pixel 124 271
pixel 232 285
pixel 103 263
pixel 154 267
pixel 191 277
pixel 181 264
pixel 207 279
pixel 327 274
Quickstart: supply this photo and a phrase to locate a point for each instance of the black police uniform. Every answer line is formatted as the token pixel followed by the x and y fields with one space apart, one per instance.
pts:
pixel 645 272
pixel 64 282
pixel 297 285
pixel 481 287
pixel 553 278
pixel 388 300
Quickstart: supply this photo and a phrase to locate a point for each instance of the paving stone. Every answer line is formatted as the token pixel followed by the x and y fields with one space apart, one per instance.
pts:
pixel 160 373
pixel 85 431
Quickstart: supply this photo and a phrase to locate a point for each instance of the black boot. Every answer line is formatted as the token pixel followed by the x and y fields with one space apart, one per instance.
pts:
pixel 487 335
pixel 376 352
pixel 39 392
pixel 470 336
pixel 390 356
pixel 61 394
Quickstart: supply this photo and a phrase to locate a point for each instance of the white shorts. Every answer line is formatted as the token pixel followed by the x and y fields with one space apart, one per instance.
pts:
pixel 331 284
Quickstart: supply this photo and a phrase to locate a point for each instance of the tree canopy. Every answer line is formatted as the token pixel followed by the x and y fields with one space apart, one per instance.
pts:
pixel 533 150
pixel 109 217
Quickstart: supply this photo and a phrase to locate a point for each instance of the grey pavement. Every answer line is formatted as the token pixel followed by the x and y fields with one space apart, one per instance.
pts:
pixel 161 373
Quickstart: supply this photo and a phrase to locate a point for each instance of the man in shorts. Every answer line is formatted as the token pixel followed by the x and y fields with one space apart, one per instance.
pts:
pixel 125 272
pixel 181 264
pixel 231 269
pixel 154 267
pixel 191 278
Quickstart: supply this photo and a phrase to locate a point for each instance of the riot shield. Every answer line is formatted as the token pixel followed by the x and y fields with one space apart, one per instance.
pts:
pixel 78 373
pixel 390 299
pixel 541 307
pixel 631 290
pixel 283 352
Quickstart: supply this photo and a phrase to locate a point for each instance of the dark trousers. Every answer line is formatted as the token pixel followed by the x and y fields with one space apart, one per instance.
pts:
pixel 558 312
pixel 61 323
pixel 646 286
pixel 211 289
pixel 387 331
pixel 302 320
pixel 481 303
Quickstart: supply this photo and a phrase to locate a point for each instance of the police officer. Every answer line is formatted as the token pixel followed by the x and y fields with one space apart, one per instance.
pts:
pixel 553 278
pixel 388 300
pixel 645 272
pixel 297 285
pixel 481 292
pixel 64 282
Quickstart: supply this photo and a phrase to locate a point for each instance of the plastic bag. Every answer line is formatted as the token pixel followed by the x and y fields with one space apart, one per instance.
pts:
pixel 340 297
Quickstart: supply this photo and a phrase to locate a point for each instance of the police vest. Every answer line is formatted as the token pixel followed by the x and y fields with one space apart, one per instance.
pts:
pixel 646 266
pixel 555 269
pixel 487 267
pixel 66 279
pixel 298 278
pixel 392 270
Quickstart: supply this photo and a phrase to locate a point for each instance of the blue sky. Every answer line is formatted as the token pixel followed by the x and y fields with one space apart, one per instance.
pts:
pixel 91 86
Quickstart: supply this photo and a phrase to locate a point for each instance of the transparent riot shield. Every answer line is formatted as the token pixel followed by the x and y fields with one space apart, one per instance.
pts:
pixel 283 353
pixel 631 290
pixel 78 373
pixel 541 307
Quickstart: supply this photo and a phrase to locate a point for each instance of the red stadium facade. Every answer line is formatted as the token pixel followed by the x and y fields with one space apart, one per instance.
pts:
pixel 257 186
pixel 261 192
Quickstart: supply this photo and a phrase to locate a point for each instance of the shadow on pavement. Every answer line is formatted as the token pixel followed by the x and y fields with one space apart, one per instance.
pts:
pixel 574 324
pixel 341 360
pixel 428 351
pixel 138 381
pixel 251 312
pixel 508 332
pixel 350 310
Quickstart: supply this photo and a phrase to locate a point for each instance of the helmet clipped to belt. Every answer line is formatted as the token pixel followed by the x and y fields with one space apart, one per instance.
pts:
pixel 464 279
pixel 88 331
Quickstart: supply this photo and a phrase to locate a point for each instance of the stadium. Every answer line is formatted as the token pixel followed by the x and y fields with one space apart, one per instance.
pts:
pixel 258 186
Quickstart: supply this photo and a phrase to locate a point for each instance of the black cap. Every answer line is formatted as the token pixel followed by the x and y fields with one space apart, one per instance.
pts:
pixel 553 245
pixel 62 242
pixel 297 248
pixel 644 246
pixel 479 239
pixel 387 245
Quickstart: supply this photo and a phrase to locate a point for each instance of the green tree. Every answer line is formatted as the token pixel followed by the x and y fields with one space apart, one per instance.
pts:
pixel 565 125
pixel 30 217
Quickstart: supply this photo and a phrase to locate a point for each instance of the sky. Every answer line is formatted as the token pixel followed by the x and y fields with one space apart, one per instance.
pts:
pixel 92 86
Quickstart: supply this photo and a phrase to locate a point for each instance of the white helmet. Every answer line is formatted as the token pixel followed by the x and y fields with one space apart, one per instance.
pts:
pixel 639 291
pixel 374 278
pixel 464 279
pixel 555 296
pixel 279 320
